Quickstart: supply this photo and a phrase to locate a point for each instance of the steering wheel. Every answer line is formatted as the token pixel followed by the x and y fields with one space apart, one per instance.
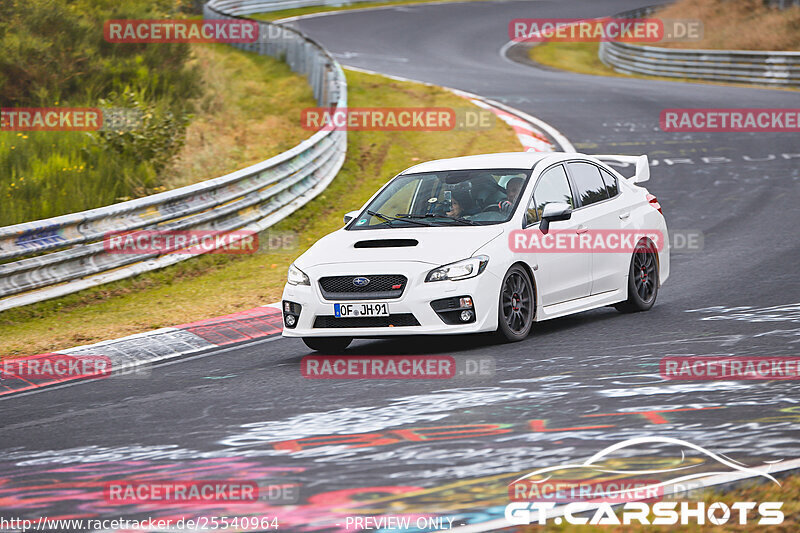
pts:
pixel 501 207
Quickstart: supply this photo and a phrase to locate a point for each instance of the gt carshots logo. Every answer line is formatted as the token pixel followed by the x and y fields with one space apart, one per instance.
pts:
pixel 663 513
pixel 594 489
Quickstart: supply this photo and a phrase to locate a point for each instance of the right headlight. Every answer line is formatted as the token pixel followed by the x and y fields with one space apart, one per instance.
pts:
pixel 464 269
pixel 295 276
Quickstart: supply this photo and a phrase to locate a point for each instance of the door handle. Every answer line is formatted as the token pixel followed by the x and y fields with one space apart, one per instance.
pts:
pixel 623 216
pixel 581 229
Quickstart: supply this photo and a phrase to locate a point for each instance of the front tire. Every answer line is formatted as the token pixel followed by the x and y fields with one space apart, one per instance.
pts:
pixel 328 345
pixel 517 303
pixel 642 280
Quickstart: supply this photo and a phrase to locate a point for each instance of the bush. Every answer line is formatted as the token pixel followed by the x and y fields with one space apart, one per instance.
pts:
pixel 52 53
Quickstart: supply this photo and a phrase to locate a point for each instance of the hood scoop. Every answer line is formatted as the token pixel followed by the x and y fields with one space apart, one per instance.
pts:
pixel 386 243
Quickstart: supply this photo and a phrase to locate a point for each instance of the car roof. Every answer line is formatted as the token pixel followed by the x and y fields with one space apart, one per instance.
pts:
pixel 522 160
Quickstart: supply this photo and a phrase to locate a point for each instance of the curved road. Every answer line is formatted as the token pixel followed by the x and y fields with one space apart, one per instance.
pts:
pixel 575 386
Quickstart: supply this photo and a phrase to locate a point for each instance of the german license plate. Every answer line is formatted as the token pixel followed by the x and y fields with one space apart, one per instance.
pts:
pixel 365 309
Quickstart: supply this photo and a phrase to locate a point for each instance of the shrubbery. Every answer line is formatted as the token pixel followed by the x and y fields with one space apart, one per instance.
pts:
pixel 52 53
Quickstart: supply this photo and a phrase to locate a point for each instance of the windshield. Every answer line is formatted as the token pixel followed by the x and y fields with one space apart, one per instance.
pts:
pixel 446 198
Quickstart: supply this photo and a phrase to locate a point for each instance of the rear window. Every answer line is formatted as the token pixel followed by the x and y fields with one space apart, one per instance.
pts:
pixel 611 182
pixel 589 183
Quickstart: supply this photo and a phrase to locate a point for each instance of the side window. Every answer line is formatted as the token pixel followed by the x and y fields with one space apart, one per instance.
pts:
pixel 588 182
pixel 611 183
pixel 553 186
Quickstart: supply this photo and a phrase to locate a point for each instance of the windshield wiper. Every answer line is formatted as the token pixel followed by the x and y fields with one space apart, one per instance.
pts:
pixel 388 219
pixel 406 216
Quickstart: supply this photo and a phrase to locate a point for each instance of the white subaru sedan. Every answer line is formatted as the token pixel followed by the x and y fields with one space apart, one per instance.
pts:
pixel 485 243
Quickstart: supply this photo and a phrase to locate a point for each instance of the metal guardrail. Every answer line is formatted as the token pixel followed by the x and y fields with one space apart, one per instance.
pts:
pixel 68 251
pixel 765 68
pixel 782 4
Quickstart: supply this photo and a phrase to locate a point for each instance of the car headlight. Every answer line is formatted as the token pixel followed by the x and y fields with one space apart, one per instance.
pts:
pixel 295 276
pixel 467 268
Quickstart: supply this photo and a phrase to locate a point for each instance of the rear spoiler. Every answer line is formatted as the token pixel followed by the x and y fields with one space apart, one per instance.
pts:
pixel 642 165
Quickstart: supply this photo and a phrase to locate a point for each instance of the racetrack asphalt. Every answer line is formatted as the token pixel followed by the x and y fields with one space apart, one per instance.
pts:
pixel 576 385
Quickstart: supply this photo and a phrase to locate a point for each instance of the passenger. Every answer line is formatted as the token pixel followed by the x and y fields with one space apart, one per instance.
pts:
pixel 460 204
pixel 455 209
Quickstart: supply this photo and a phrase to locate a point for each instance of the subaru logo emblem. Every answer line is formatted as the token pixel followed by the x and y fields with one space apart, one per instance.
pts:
pixel 360 282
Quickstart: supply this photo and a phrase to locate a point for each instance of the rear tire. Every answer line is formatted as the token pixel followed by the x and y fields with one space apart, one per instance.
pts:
pixel 516 306
pixel 642 280
pixel 328 345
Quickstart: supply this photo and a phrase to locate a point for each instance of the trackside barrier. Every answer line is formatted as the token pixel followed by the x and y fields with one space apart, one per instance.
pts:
pixel 764 68
pixel 65 254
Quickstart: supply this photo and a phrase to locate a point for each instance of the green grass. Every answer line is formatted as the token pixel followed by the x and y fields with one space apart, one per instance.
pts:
pixel 53 173
pixel 576 57
pixel 52 53
pixel 249 109
pixel 209 286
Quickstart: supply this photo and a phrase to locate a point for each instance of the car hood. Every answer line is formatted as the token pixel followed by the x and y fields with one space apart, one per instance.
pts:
pixel 434 245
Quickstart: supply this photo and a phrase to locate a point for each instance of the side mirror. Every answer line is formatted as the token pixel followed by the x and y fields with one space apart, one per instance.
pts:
pixel 553 212
pixel 350 216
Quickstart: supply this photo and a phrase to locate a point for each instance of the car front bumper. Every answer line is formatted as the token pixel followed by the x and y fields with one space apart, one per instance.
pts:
pixel 415 300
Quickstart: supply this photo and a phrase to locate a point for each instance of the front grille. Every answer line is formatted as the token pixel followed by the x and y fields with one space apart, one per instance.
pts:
pixel 398 320
pixel 380 286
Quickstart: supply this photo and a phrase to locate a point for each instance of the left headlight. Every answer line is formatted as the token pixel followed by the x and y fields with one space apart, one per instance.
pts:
pixel 295 276
pixel 464 269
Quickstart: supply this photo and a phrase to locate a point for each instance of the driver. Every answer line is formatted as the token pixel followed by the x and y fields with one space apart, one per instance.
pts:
pixel 513 188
